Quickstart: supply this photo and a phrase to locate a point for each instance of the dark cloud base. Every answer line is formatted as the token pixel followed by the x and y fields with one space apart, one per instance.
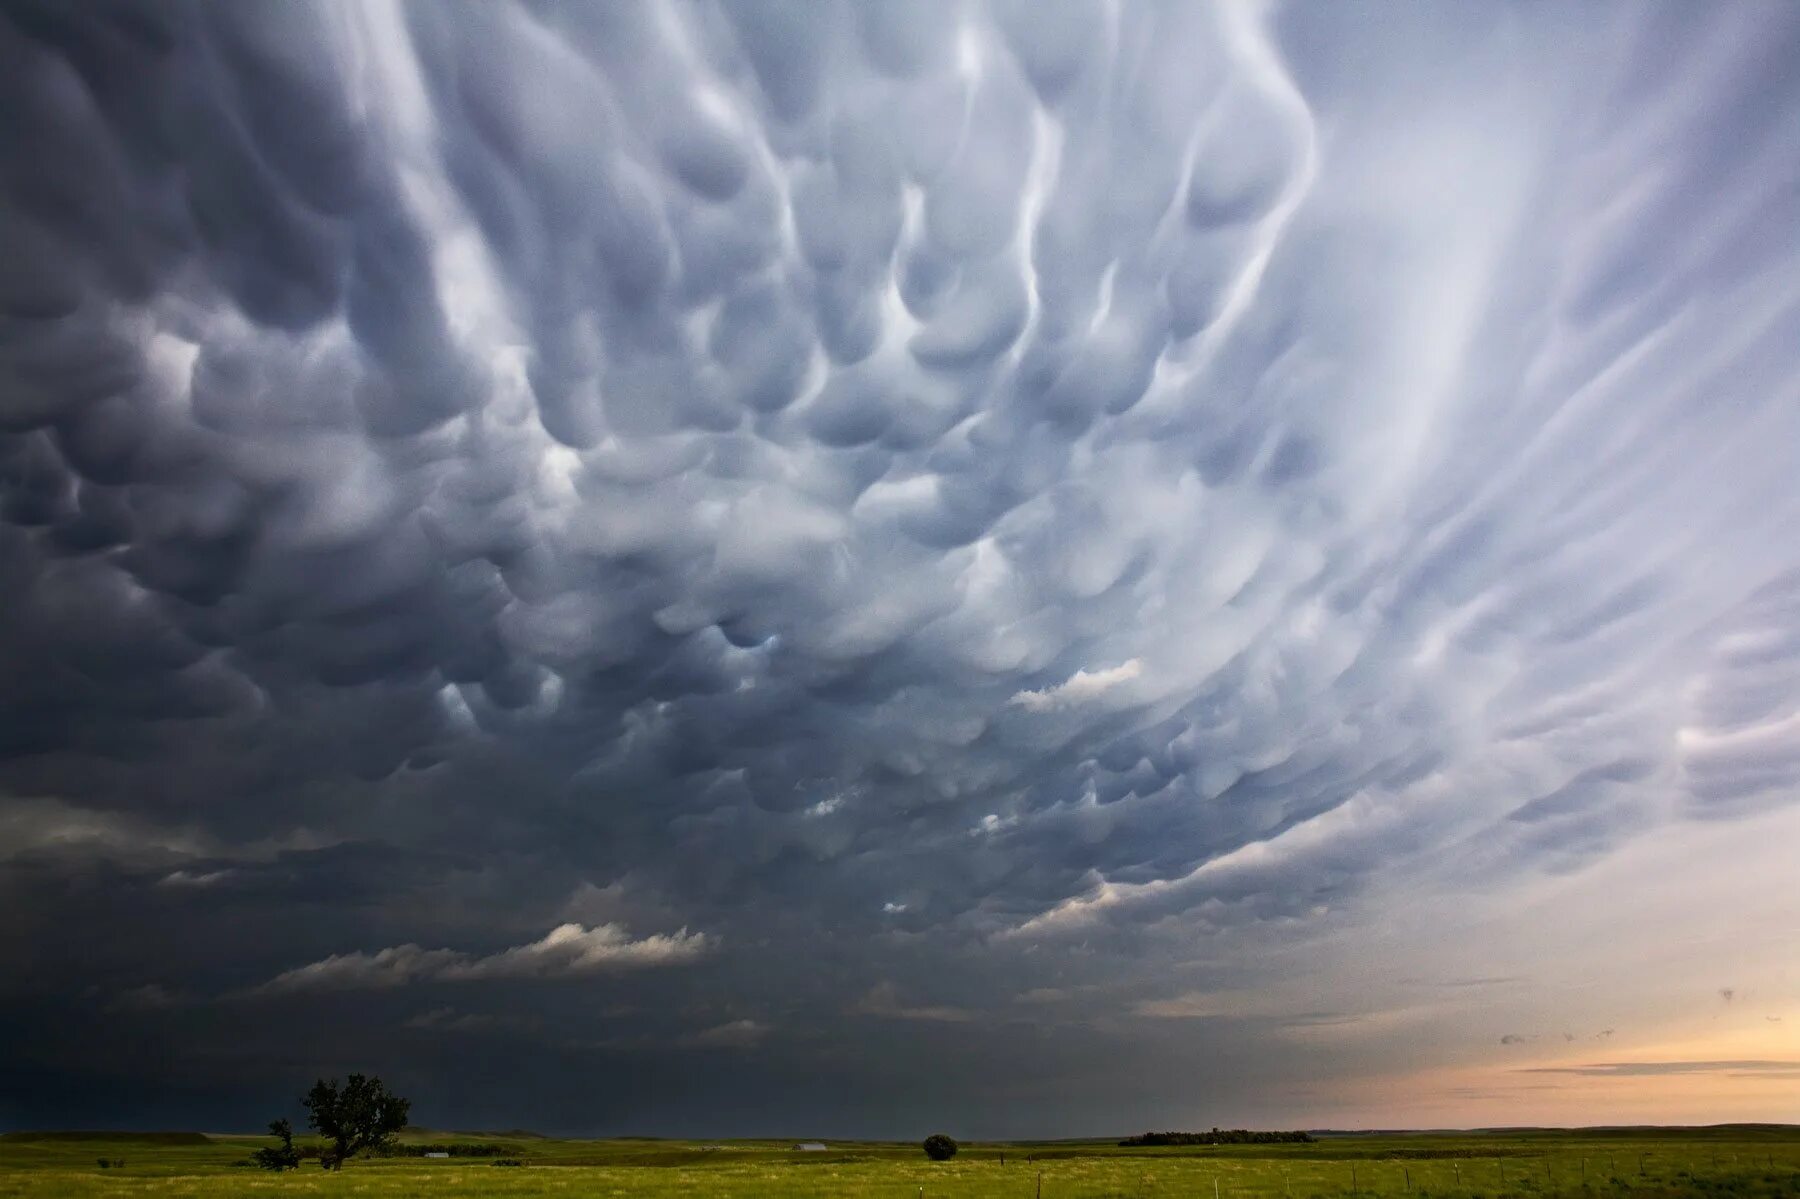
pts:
pixel 933 502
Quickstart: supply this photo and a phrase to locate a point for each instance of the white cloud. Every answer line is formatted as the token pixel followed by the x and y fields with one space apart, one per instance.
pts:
pixel 395 966
pixel 565 951
pixel 1081 687
pixel 195 878
pixel 573 949
pixel 736 1034
pixel 826 807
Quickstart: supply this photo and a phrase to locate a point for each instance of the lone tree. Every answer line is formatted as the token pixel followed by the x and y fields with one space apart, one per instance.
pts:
pixel 362 1114
pixel 279 1157
pixel 939 1148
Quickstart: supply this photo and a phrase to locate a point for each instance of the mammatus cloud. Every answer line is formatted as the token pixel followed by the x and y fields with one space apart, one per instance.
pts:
pixel 954 499
pixel 926 412
pixel 566 951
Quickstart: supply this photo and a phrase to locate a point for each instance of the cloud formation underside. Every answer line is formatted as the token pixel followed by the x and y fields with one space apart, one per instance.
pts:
pixel 739 410
pixel 896 486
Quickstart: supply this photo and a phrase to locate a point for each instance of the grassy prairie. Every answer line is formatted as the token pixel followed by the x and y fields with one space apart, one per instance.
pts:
pixel 1750 1161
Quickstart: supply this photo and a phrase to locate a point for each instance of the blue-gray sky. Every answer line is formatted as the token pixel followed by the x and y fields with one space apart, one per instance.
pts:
pixel 849 568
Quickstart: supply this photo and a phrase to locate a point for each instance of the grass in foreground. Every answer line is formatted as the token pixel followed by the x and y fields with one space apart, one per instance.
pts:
pixel 1641 1164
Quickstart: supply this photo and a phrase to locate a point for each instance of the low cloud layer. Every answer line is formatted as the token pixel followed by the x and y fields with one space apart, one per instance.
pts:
pixel 1653 1069
pixel 566 951
pixel 953 500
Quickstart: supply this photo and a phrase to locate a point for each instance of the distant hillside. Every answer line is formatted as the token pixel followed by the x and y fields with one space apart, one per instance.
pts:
pixel 502 1134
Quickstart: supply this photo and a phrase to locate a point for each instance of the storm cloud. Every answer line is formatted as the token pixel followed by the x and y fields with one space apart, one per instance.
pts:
pixel 899 506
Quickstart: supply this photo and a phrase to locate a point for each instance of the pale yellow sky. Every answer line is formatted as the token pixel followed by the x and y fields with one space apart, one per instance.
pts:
pixel 1645 943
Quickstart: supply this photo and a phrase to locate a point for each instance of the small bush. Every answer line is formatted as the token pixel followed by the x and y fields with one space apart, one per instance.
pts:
pixel 507 1161
pixel 939 1148
pixel 279 1157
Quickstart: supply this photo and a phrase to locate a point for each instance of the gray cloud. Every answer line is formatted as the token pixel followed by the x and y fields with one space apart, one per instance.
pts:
pixel 883 1000
pixel 734 1034
pixel 979 495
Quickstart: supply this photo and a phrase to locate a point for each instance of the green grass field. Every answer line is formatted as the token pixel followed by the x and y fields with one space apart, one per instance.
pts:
pixel 1753 1161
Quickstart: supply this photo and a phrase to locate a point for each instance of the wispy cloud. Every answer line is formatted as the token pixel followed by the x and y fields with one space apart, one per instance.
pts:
pixel 1749 1068
pixel 150 997
pixel 883 1000
pixel 1198 1005
pixel 195 878
pixel 565 951
pixel 734 1034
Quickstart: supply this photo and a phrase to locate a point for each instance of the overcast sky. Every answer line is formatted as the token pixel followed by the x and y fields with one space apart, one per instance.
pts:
pixel 858 568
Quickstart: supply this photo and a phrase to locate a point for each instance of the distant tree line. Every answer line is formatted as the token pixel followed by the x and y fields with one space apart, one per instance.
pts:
pixel 1220 1136
pixel 452 1149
